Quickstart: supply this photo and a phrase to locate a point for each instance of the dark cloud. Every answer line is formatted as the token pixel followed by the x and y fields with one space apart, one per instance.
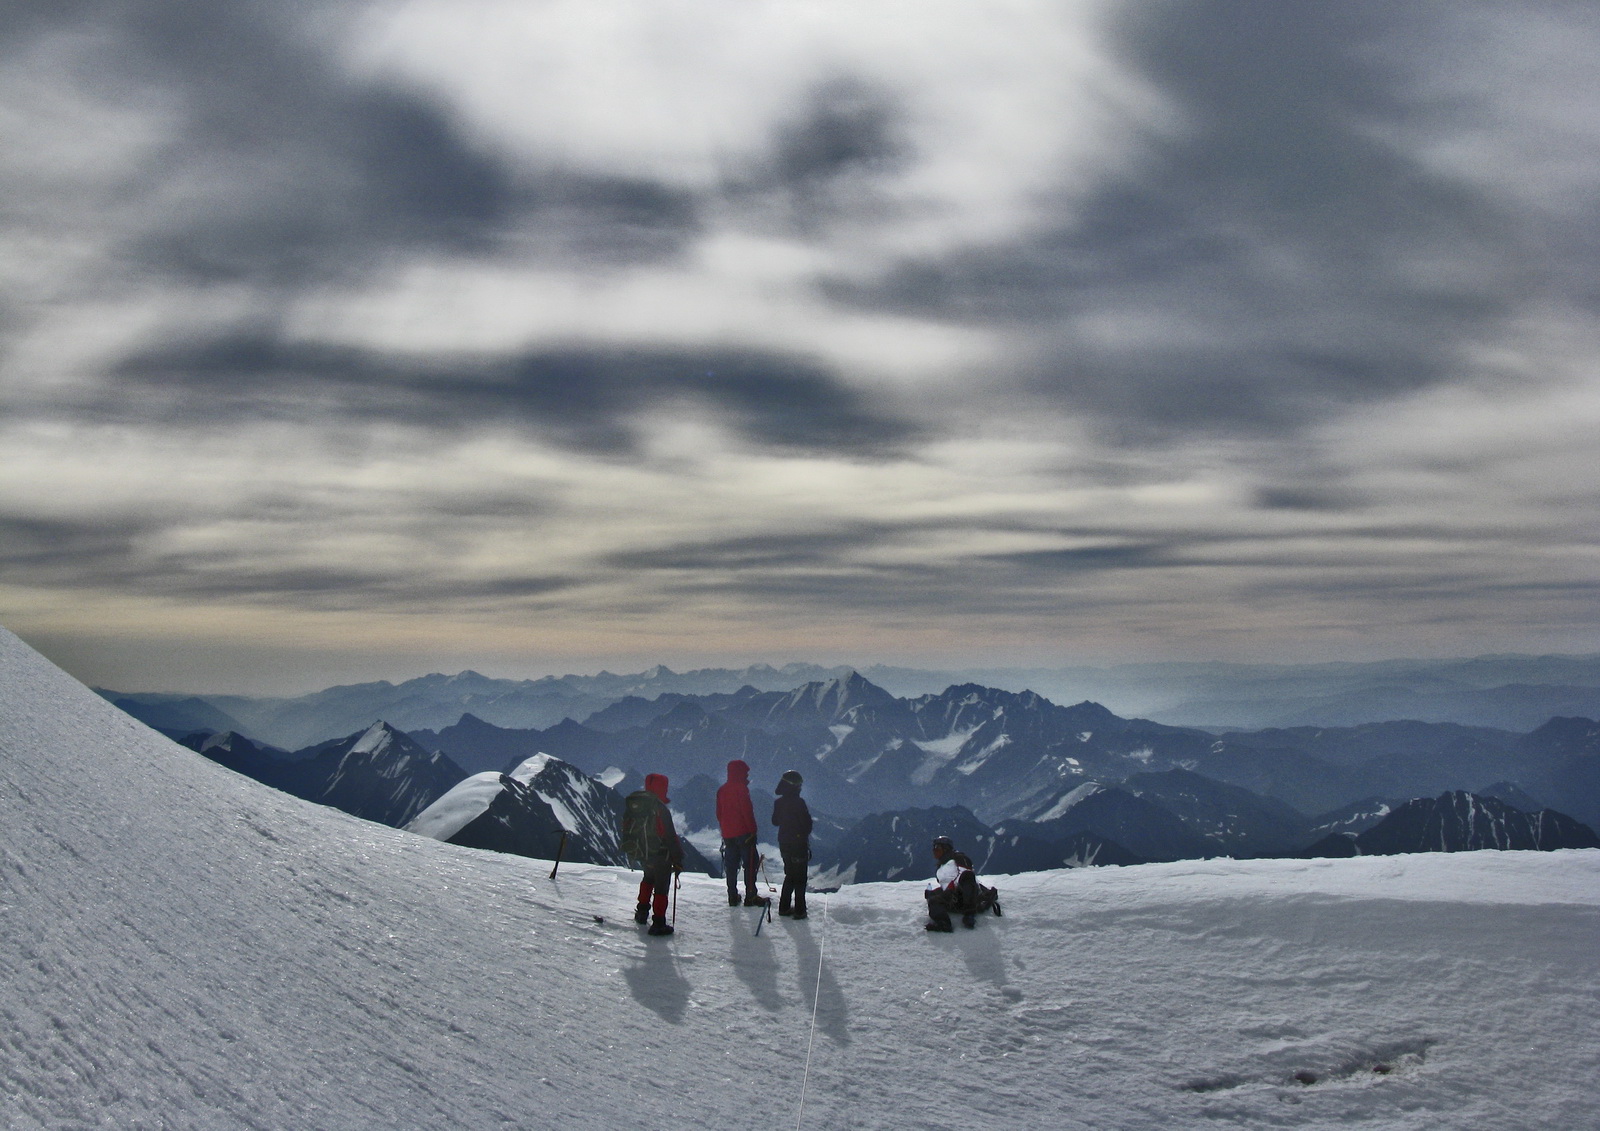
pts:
pixel 63 551
pixel 1142 555
pixel 830 159
pixel 590 398
pixel 1331 499
pixel 848 127
pixel 378 586
pixel 286 169
pixel 763 551
pixel 831 568
pixel 1275 257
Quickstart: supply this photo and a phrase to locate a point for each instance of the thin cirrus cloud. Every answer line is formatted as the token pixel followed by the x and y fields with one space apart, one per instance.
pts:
pixel 1151 325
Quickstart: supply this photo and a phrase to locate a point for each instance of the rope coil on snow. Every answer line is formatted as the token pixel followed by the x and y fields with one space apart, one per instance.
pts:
pixel 816 997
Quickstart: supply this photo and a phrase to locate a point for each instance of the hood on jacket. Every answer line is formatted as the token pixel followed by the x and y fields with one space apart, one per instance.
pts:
pixel 657 784
pixel 788 784
pixel 738 770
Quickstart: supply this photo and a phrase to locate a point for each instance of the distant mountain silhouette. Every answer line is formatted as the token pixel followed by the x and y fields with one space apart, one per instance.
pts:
pixel 1459 821
pixel 379 774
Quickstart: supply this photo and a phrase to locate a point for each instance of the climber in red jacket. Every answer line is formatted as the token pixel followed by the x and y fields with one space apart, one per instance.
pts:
pixel 737 818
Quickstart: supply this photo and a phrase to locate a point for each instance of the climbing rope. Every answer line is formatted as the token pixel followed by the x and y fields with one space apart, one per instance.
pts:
pixel 816 997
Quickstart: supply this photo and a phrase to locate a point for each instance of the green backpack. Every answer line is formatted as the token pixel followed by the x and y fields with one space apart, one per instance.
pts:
pixel 640 838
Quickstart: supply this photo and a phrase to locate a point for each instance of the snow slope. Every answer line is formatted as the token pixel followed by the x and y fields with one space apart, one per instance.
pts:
pixel 185 948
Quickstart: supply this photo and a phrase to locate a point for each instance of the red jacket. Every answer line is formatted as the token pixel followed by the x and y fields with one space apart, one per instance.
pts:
pixel 735 814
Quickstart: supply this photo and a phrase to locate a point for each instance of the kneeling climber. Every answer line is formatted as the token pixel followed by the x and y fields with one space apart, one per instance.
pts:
pixel 955 887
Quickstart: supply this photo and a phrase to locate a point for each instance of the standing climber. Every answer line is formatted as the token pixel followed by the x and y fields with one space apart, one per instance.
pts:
pixel 649 838
pixel 736 817
pixel 793 819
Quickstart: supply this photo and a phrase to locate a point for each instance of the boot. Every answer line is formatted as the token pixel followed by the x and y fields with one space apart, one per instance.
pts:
pixel 659 927
pixel 641 913
pixel 969 921
pixel 733 899
pixel 944 928
pixel 799 913
pixel 751 899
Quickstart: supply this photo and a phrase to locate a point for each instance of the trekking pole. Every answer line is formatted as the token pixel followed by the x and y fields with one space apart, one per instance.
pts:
pixel 677 882
pixel 560 848
pixel 764 917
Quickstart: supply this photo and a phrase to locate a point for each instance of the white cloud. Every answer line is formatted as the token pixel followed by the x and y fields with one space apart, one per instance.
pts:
pixel 1001 104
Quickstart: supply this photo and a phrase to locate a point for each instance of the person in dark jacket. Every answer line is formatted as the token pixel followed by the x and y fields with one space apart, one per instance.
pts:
pixel 736 817
pixel 663 857
pixel 943 890
pixel 793 819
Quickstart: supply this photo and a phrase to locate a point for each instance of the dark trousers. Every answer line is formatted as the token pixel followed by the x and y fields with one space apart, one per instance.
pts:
pixel 796 857
pixel 655 886
pixel 940 904
pixel 737 852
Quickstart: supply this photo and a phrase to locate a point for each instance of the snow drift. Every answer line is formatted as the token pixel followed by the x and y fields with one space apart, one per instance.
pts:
pixel 185 948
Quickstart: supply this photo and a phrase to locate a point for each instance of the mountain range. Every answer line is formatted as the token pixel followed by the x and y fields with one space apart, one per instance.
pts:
pixel 1013 756
pixel 1026 784
pixel 1506 692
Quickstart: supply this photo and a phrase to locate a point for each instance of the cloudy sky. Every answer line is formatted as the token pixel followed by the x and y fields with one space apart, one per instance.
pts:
pixel 345 340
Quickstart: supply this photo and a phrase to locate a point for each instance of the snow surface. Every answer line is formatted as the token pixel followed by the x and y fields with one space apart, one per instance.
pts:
pixel 530 768
pixel 185 948
pixel 1069 799
pixel 938 753
pixel 983 755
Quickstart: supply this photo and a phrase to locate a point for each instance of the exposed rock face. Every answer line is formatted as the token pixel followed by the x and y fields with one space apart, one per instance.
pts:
pixel 896 846
pixel 1243 823
pixel 382 775
pixel 1459 821
pixel 1144 828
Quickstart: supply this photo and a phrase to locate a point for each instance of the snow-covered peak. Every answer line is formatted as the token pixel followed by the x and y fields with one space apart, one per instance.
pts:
pixel 377 738
pixel 464 803
pixel 531 768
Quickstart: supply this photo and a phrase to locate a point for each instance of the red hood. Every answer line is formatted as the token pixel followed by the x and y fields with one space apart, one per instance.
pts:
pixel 738 771
pixel 657 784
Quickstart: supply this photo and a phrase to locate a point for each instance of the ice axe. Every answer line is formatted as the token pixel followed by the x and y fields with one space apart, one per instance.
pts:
pixel 560 848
